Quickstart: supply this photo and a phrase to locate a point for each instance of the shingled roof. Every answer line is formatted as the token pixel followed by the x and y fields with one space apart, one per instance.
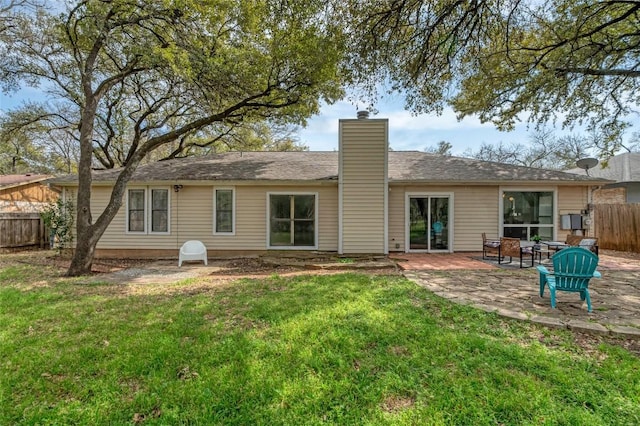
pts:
pixel 10 181
pixel 404 166
pixel 620 168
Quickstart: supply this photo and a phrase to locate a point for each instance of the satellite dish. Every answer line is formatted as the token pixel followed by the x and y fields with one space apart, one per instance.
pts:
pixel 587 163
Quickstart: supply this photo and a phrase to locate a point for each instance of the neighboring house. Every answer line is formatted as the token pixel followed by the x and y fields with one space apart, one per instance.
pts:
pixel 25 193
pixel 624 169
pixel 362 199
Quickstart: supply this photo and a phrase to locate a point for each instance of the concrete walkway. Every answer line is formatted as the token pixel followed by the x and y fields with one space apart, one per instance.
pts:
pixel 514 293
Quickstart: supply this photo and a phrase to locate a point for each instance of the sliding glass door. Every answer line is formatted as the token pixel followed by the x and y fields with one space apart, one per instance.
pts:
pixel 429 223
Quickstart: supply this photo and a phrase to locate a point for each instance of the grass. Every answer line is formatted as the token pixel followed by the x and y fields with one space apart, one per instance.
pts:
pixel 329 349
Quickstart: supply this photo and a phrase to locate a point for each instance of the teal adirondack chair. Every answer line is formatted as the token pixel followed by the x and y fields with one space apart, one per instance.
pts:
pixel 573 267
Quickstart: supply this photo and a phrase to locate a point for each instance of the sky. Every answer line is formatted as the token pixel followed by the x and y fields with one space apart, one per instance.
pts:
pixel 408 131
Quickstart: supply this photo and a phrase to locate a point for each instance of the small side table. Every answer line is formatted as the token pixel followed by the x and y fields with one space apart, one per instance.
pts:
pixel 540 251
pixel 555 245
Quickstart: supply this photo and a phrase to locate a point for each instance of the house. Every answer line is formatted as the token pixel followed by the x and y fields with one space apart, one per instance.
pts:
pixel 25 193
pixel 361 199
pixel 624 169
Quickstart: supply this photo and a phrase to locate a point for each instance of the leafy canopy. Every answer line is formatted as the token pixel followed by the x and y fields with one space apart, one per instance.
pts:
pixel 172 72
pixel 565 61
pixel 134 76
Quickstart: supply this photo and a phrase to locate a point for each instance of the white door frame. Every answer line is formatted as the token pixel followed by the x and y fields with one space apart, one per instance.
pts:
pixel 407 217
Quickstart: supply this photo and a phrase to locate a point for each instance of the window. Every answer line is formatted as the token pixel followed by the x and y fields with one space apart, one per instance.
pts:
pixel 528 213
pixel 292 220
pixel 156 213
pixel 224 202
pixel 159 210
pixel 135 209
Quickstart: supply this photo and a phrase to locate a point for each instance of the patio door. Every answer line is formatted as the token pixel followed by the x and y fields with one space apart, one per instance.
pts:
pixel 429 227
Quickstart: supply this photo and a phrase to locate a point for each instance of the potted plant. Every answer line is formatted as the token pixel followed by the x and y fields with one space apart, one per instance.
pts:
pixel 536 239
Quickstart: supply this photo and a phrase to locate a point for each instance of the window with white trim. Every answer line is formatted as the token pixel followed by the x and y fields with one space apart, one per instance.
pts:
pixel 224 211
pixel 528 213
pixel 148 214
pixel 135 210
pixel 159 210
pixel 292 220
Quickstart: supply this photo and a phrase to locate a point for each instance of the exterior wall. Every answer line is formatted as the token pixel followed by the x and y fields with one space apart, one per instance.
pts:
pixel 476 209
pixel 610 196
pixel 191 218
pixel 618 193
pixel 572 200
pixel 363 186
pixel 31 197
pixel 633 192
pixel 473 213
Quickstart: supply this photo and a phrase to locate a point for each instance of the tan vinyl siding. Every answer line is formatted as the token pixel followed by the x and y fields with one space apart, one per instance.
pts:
pixel 571 199
pixel 363 220
pixel 475 210
pixel 192 218
pixel 116 237
pixel 363 169
pixel 396 217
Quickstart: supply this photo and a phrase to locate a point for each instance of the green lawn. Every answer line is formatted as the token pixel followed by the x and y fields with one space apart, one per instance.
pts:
pixel 341 349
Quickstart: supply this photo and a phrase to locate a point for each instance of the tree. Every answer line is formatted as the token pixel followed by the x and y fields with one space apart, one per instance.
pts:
pixel 634 144
pixel 443 148
pixel 14 155
pixel 544 150
pixel 142 74
pixel 7 7
pixel 573 61
pixel 250 136
pixel 499 153
pixel 571 148
pixel 38 140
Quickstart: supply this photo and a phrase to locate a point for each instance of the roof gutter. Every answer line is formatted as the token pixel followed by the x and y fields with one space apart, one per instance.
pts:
pixel 502 182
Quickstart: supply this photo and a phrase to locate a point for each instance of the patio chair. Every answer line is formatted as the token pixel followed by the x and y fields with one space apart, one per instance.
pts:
pixel 584 242
pixel 192 250
pixel 511 247
pixel 573 267
pixel 590 244
pixel 489 247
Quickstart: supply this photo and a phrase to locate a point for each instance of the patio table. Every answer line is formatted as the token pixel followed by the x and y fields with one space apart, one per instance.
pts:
pixel 555 245
pixel 539 250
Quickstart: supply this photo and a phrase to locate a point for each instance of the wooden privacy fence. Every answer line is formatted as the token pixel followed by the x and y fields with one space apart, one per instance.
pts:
pixel 22 230
pixel 617 226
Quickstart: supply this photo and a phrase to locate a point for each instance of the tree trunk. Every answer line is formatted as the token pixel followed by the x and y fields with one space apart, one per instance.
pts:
pixel 87 233
pixel 85 244
pixel 83 256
